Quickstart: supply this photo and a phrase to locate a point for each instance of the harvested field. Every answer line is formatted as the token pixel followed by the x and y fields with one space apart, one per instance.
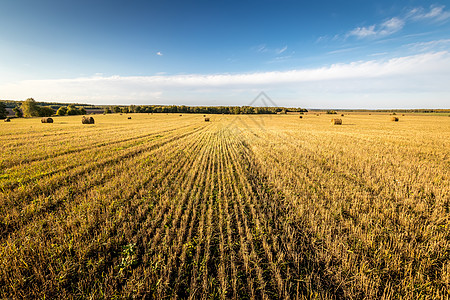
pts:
pixel 245 207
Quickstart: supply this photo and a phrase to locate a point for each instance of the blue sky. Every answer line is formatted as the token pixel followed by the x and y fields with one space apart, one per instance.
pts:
pixel 315 54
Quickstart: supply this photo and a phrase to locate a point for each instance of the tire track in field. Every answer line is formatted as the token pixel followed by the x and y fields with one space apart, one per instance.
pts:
pixel 301 261
pixel 165 230
pixel 166 219
pixel 256 289
pixel 189 242
pixel 254 204
pixel 325 282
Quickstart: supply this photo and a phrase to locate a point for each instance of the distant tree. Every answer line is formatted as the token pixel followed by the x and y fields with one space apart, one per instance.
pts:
pixel 3 111
pixel 18 112
pixel 107 110
pixel 116 109
pixel 62 111
pixel 82 111
pixel 30 108
pixel 46 111
pixel 72 110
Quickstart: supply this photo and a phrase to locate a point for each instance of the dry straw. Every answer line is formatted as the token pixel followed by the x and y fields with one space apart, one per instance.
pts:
pixel 336 121
pixel 87 120
pixel 46 120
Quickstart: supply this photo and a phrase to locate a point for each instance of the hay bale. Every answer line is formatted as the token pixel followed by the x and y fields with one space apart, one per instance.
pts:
pixel 394 119
pixel 300 117
pixel 181 115
pixel 206 119
pixel 336 121
pixel 8 120
pixel 342 115
pixel 46 120
pixel 86 120
pixel 129 118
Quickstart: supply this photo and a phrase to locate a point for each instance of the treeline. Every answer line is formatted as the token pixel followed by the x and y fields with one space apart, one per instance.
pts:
pixel 53 105
pixel 32 108
pixel 200 109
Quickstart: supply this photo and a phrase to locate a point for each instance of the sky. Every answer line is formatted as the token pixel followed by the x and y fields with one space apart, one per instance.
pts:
pixel 309 54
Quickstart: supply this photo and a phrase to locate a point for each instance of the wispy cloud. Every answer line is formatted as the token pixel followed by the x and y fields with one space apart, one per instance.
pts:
pixel 435 13
pixel 279 51
pixel 396 24
pixel 388 27
pixel 264 49
pixel 436 45
pixel 424 75
pixel 159 53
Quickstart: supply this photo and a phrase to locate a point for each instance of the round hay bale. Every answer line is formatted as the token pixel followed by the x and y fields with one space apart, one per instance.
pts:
pixel 206 119
pixel 300 117
pixel 336 121
pixel 342 115
pixel 129 118
pixel 86 120
pixel 46 120
pixel 394 119
pixel 7 120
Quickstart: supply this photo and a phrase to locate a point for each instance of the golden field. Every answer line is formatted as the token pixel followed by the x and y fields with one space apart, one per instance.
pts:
pixel 242 207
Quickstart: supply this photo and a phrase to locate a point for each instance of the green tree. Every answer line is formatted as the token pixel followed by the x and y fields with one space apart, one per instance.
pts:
pixel 46 111
pixel 30 108
pixel 72 110
pixel 62 111
pixel 116 109
pixel 3 111
pixel 18 112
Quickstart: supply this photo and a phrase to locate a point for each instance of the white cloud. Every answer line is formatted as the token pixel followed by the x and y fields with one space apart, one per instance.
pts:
pixel 423 77
pixel 159 53
pixel 436 13
pixel 436 45
pixel 386 28
pixel 395 24
pixel 264 49
pixel 279 51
